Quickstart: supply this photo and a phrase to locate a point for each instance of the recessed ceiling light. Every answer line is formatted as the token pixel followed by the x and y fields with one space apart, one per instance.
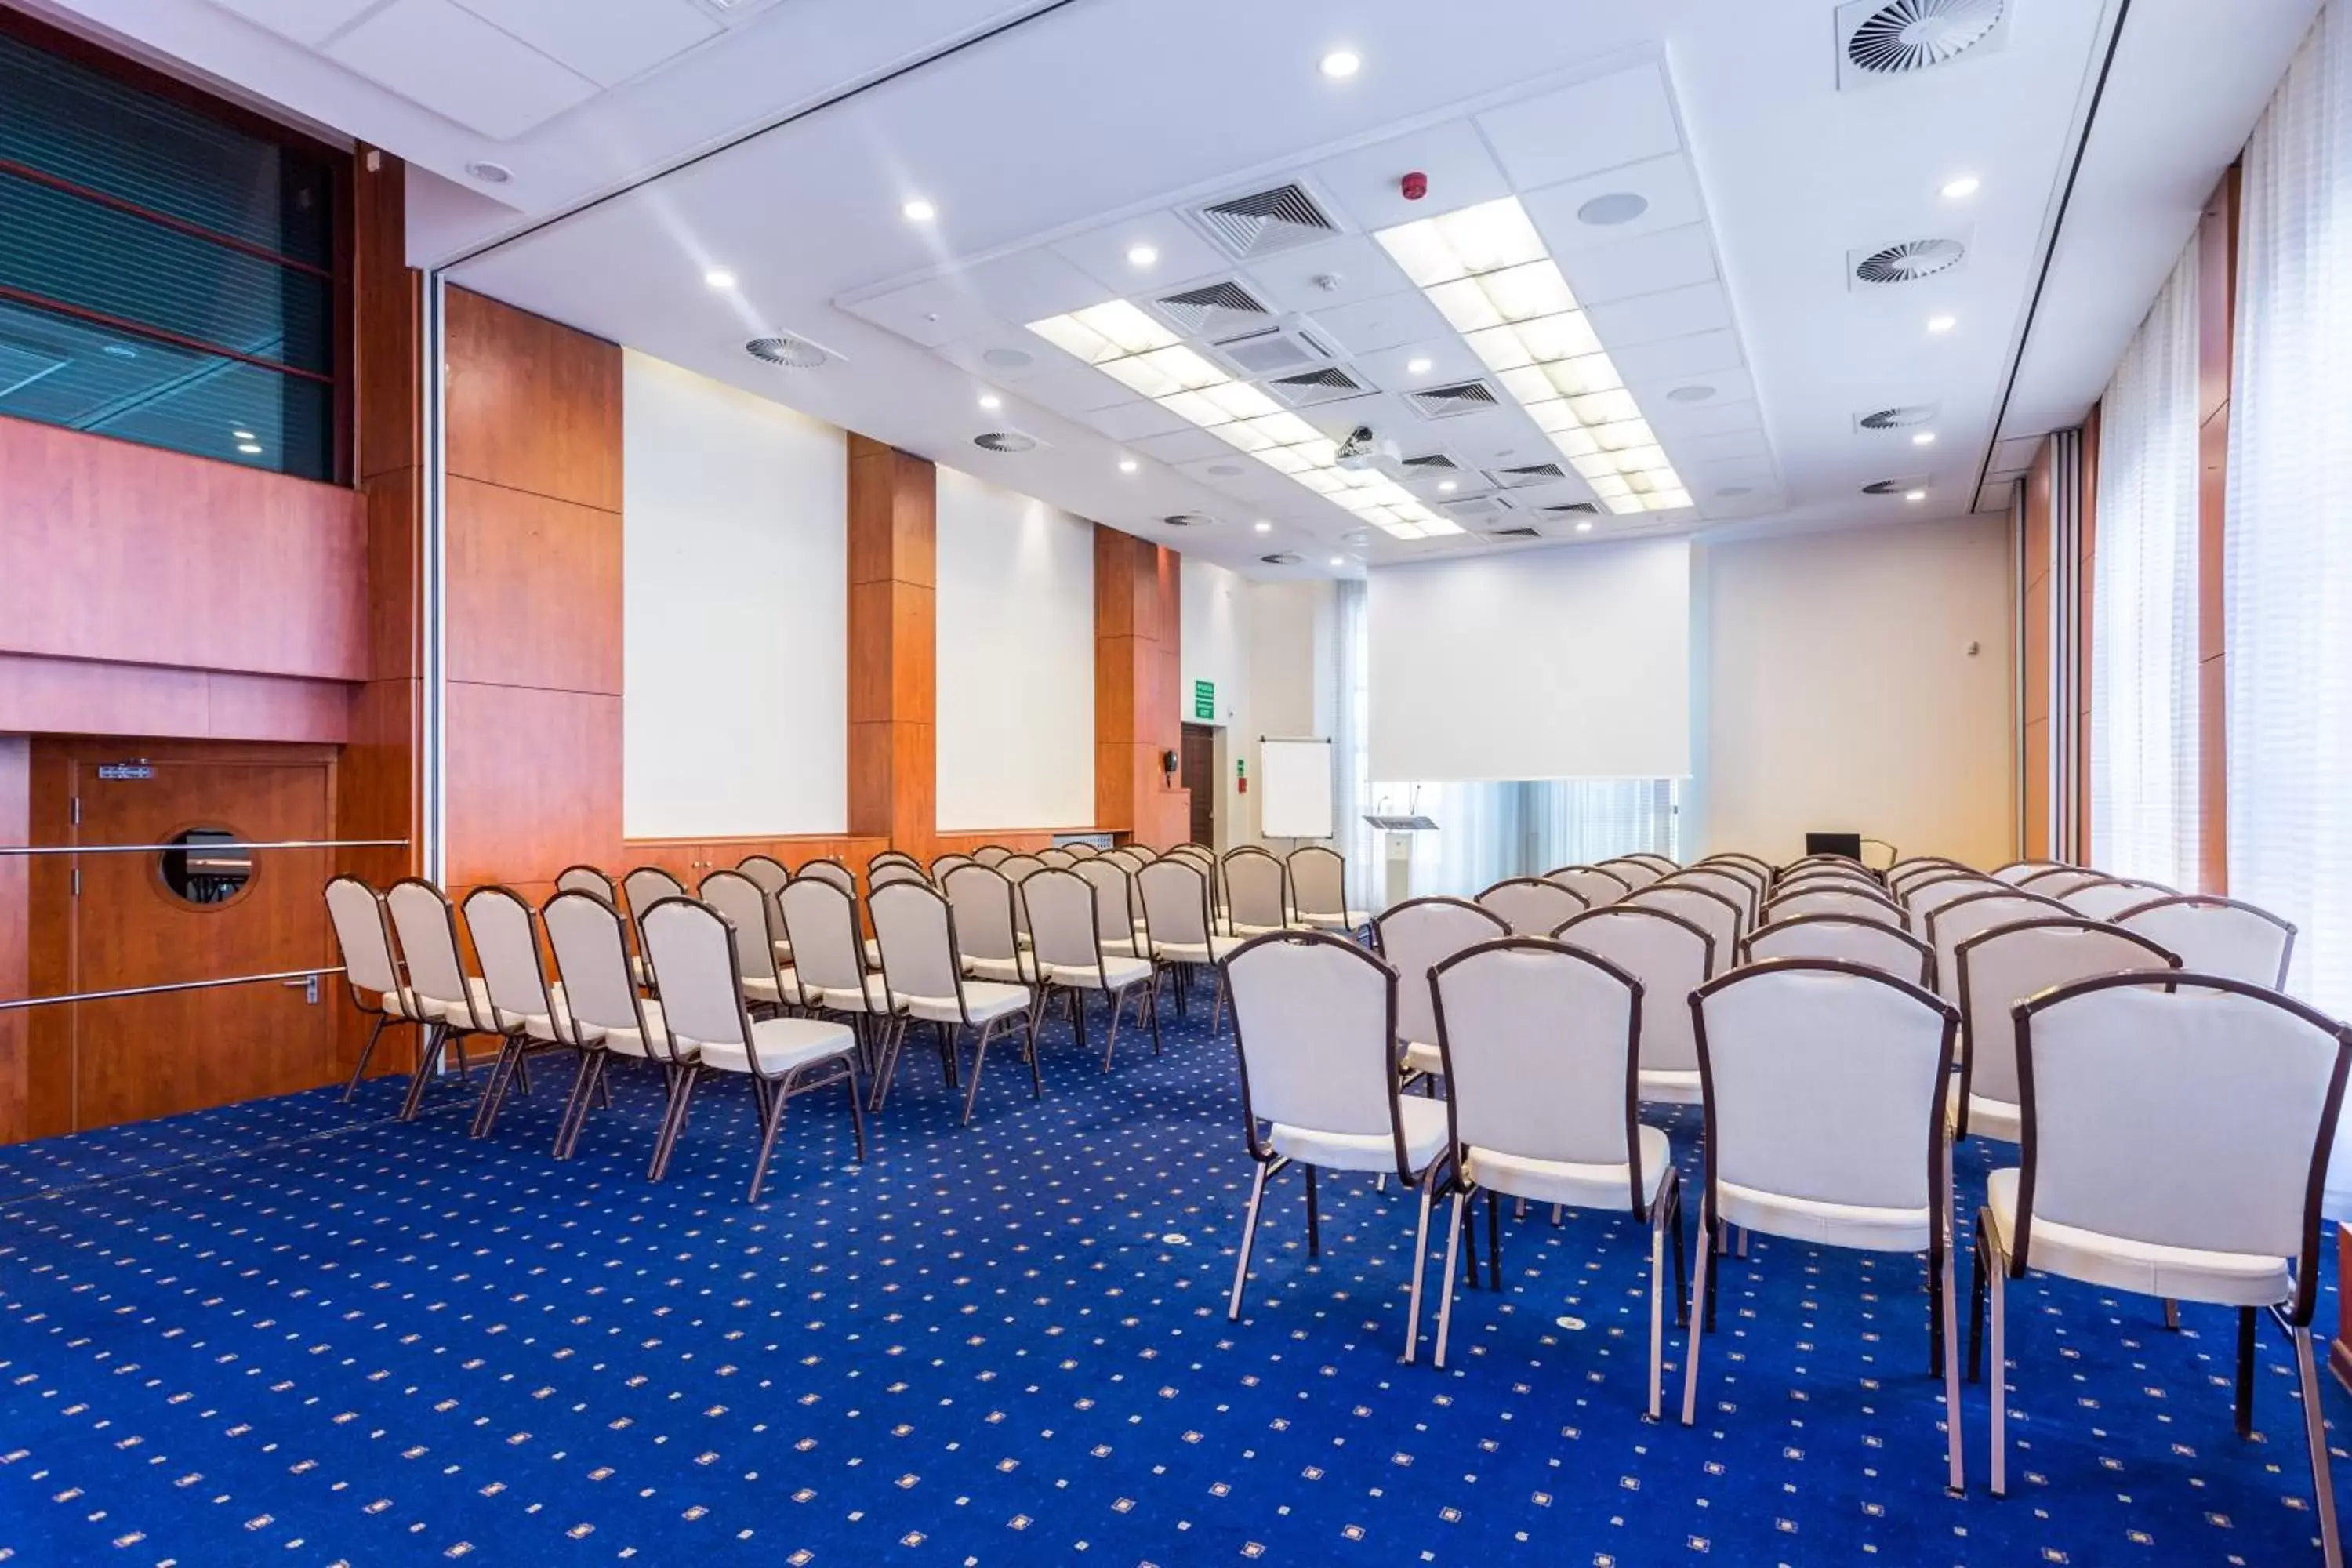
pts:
pixel 1915 495
pixel 719 277
pixel 1128 465
pixel 1698 394
pixel 1265 527
pixel 990 402
pixel 1616 207
pixel 1942 323
pixel 1447 485
pixel 1420 364
pixel 1143 255
pixel 1960 189
pixel 918 211
pixel 1584 528
pixel 1341 64
pixel 250 448
pixel 1923 438
pixel 1338 561
pixel 242 434
pixel 489 173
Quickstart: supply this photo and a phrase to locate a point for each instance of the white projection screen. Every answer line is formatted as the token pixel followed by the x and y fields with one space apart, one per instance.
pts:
pixel 1556 664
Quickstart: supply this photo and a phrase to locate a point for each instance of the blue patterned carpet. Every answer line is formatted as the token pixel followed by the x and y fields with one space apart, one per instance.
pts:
pixel 298 1332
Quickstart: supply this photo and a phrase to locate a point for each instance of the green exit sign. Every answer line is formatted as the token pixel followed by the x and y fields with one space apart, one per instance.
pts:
pixel 1205 699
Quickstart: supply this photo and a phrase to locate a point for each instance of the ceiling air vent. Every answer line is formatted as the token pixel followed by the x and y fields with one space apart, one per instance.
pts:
pixel 1187 519
pixel 1914 258
pixel 1216 311
pixel 1005 441
pixel 1902 416
pixel 1878 39
pixel 1521 531
pixel 1325 385
pixel 1276 352
pixel 784 349
pixel 1574 507
pixel 1461 397
pixel 1435 463
pixel 1472 509
pixel 1265 222
pixel 1281 558
pixel 1896 487
pixel 1533 474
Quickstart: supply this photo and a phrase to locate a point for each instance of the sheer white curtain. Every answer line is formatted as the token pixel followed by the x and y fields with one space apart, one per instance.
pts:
pixel 1351 747
pixel 1579 821
pixel 2144 736
pixel 2288 571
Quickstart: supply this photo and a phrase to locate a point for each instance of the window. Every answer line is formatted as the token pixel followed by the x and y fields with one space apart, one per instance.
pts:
pixel 167 275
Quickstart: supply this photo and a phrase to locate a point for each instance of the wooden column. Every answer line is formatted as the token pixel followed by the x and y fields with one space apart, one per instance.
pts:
pixel 2087 540
pixel 893 646
pixel 2036 578
pixel 16 934
pixel 1139 632
pixel 2216 293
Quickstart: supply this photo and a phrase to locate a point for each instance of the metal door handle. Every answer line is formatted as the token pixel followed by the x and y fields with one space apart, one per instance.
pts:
pixel 309 988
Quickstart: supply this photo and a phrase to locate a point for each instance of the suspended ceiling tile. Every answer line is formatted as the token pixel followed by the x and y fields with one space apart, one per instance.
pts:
pixel 1669 258
pixel 607 41
pixel 446 60
pixel 1584 129
pixel 1367 183
pixel 1580 213
pixel 1669 313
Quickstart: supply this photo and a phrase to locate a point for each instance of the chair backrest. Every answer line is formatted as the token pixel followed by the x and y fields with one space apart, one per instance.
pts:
pixel 1900 876
pixel 1635 874
pixel 1255 887
pixel 693 950
pixel 1200 852
pixel 592 958
pixel 2057 881
pixel 506 942
pixel 1083 850
pixel 821 922
pixel 1538 1044
pixel 1314 1016
pixel 2194 1111
pixel 947 863
pixel 1825 1081
pixel 1922 897
pixel 884 856
pixel 1754 873
pixel 1319 882
pixel 1873 944
pixel 1669 956
pixel 1174 892
pixel 2214 935
pixel 1055 856
pixel 1019 869
pixel 884 873
pixel 831 871
pixel 1065 921
pixel 990 854
pixel 1596 885
pixel 647 885
pixel 737 897
pixel 2111 896
pixel 1418 935
pixel 768 872
pixel 1827 896
pixel 982 901
pixel 1756 863
pixel 916 930
pixel 1531 906
pixel 1114 888
pixel 1133 857
pixel 586 879
pixel 1661 864
pixel 2003 966
pixel 2017 871
pixel 1701 907
pixel 363 933
pixel 1949 925
pixel 426 924
pixel 1742 892
pixel 1835 870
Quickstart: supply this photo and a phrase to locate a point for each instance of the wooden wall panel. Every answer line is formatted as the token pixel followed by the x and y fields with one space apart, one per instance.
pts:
pixel 2217 276
pixel 531 405
pixel 691 859
pixel 2033 713
pixel 893 550
pixel 2085 598
pixel 16 943
pixel 533 585
pixel 1138 631
pixel 84 697
pixel 533 781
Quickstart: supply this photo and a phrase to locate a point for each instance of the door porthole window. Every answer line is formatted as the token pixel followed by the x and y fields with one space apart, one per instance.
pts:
pixel 207 866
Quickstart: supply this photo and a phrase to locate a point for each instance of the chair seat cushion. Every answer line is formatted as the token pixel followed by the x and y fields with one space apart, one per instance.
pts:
pixel 2000 1119
pixel 455 1013
pixel 629 1043
pixel 1423 1122
pixel 556 1027
pixel 1668 1086
pixel 2120 1263
pixel 776 993
pixel 1116 973
pixel 873 998
pixel 983 1001
pixel 1334 920
pixel 1420 1056
pixel 1577 1185
pixel 782 1044
pixel 784 951
pixel 401 1004
pixel 1822 1222
pixel 1214 951
pixel 1002 970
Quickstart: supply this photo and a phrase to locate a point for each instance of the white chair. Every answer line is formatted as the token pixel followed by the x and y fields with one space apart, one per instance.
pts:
pixel 1713 913
pixel 1068 943
pixel 1258 892
pixel 700 955
pixel 1079 849
pixel 1756 863
pixel 947 863
pixel 1314 1018
pixel 1531 906
pixel 590 939
pixel 1918 869
pixel 1018 868
pixel 2057 881
pixel 990 854
pixel 829 971
pixel 986 929
pixel 1053 854
pixel 2177 1134
pixel 1735 888
pixel 455 1007
pixel 587 879
pixel 1822 895
pixel 2110 895
pixel 1596 885
pixel 1541 1060
pixel 1873 944
pixel 370 973
pixel 1949 925
pixel 1753 878
pixel 924 973
pixel 1671 958
pixel 768 987
pixel 529 1011
pixel 1414 937
pixel 1181 930
pixel 1655 862
pixel 1828 874
pixel 1825 1124
pixel 1115 911
pixel 641 889
pixel 2017 871
pixel 829 871
pixel 1635 874
pixel 2214 935
pixel 2000 968
pixel 770 875
pixel 1319 890
pixel 1922 899
pixel 882 873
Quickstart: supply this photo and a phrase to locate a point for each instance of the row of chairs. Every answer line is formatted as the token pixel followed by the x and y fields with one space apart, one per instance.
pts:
pixel 2174 1119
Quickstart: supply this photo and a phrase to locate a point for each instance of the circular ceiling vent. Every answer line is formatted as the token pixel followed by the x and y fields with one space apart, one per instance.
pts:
pixel 1894 487
pixel 792 353
pixel 1187 519
pixel 1914 34
pixel 1698 392
pixel 1281 557
pixel 1911 260
pixel 1900 417
pixel 1005 441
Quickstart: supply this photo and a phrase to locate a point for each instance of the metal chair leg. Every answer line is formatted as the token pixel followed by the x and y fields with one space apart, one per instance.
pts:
pixel 2248 1317
pixel 1314 1218
pixel 1446 1296
pixel 771 1097
pixel 2314 1433
pixel 1996 1276
pixel 1700 1282
pixel 1949 1320
pixel 1117 1000
pixel 359 1072
pixel 1976 1301
pixel 428 1061
pixel 979 1057
pixel 1420 1259
pixel 1657 1309
pixel 1249 1234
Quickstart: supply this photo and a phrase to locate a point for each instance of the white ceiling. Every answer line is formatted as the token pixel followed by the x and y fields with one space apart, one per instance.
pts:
pixel 1053 137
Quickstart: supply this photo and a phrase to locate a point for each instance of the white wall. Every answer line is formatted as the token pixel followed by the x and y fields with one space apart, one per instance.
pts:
pixel 1290 681
pixel 1841 694
pixel 1016 660
pixel 734 713
pixel 1217 624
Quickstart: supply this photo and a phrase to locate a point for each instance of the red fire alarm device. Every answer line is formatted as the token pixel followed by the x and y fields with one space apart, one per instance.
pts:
pixel 1413 186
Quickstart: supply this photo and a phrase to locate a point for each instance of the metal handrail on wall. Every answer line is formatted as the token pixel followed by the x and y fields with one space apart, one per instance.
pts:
pixel 208 845
pixel 283 977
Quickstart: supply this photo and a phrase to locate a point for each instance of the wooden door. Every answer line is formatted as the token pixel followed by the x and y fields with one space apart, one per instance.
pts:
pixel 1200 776
pixel 148 919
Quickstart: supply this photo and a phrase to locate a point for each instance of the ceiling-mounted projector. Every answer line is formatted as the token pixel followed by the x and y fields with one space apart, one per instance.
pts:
pixel 1367 448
